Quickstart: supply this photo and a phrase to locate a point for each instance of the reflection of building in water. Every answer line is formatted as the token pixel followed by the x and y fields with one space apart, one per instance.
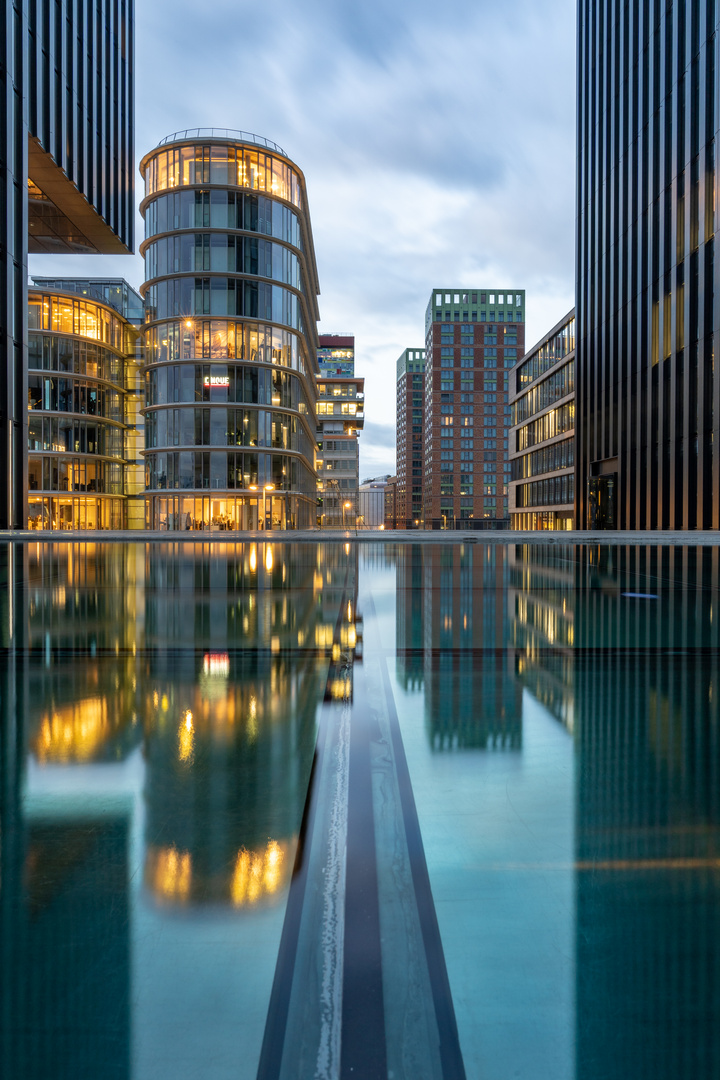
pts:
pixel 231 705
pixel 410 610
pixel 472 699
pixel 82 600
pixel 541 606
pixel 648 814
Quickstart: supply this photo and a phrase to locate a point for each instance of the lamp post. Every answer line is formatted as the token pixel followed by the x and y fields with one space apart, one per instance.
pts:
pixel 268 487
pixel 253 487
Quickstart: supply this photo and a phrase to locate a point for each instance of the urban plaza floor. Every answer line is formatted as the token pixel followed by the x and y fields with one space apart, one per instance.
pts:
pixel 423 807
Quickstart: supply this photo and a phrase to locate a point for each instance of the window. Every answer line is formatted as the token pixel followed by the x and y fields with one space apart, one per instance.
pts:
pixel 492 298
pixel 518 300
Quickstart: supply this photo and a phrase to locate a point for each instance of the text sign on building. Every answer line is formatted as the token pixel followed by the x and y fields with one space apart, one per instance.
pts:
pixel 217 380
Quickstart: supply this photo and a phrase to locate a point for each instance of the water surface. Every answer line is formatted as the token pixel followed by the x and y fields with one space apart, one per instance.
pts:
pixel 329 810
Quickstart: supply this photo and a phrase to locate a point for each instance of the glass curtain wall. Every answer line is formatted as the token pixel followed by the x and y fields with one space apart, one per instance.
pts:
pixel 78 353
pixel 230 334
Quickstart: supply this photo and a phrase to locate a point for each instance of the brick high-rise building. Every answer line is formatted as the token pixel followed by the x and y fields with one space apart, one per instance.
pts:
pixel 472 339
pixel 410 396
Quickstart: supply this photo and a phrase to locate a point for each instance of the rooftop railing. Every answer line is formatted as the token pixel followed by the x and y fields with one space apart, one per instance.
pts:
pixel 221 133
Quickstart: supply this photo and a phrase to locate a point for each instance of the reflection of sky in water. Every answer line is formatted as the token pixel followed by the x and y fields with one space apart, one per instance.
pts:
pixel 560 733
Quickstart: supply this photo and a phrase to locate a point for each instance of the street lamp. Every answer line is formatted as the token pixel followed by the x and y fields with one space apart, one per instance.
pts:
pixel 268 487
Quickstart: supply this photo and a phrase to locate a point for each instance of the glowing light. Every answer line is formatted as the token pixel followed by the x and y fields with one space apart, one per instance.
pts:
pixel 268 559
pixel 186 738
pixel 216 664
pixel 258 874
pixel 349 612
pixel 169 872
pixel 253 558
pixel 74 732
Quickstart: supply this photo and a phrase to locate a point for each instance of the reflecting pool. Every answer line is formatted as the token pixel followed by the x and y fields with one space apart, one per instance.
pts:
pixel 411 811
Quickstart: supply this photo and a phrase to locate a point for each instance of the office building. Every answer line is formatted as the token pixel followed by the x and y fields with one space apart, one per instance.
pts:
pixel 410 415
pixel 85 432
pixel 472 339
pixel 66 176
pixel 230 335
pixel 542 437
pixel 340 419
pixel 371 502
pixel 648 418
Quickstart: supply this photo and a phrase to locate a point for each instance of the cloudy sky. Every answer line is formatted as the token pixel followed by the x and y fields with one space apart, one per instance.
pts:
pixel 437 141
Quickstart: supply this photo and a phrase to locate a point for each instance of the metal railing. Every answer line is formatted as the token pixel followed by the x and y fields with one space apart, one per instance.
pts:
pixel 221 133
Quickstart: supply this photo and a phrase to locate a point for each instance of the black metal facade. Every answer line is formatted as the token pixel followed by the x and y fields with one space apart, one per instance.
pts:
pixel 648 408
pixel 66 174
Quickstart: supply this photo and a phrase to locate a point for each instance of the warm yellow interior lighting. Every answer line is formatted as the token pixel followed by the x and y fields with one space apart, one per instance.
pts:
pixel 258 874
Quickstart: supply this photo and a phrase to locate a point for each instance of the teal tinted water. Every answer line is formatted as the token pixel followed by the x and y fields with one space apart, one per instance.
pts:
pixel 310 810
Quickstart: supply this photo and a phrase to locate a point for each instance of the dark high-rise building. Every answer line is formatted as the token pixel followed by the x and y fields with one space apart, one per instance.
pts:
pixel 66 175
pixel 410 404
pixel 230 335
pixel 471 340
pixel 648 417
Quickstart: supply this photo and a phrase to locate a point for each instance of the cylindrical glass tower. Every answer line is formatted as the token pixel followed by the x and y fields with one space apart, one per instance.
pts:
pixel 230 333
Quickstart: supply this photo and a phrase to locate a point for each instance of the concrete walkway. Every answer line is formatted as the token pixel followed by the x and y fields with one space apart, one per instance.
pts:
pixel 657 538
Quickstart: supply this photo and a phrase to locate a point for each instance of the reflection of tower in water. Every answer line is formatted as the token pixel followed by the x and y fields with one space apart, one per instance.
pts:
pixel 648 814
pixel 230 714
pixel 457 635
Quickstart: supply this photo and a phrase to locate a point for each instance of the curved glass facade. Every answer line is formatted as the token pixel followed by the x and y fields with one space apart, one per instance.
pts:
pixel 230 320
pixel 80 353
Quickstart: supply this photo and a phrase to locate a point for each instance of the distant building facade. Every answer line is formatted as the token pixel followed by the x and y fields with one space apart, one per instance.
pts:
pixel 66 176
pixel 410 415
pixel 230 335
pixel 542 436
pixel 372 503
pixel 648 417
pixel 340 419
pixel 472 339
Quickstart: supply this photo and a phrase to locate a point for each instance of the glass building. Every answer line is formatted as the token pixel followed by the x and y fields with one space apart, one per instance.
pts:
pixel 648 418
pixel 84 422
pixel 341 417
pixel 230 335
pixel 542 438
pixel 67 176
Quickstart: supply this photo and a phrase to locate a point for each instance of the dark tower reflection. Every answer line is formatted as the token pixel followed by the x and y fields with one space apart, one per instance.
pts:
pixel 65 864
pixel 455 640
pixel 647 680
